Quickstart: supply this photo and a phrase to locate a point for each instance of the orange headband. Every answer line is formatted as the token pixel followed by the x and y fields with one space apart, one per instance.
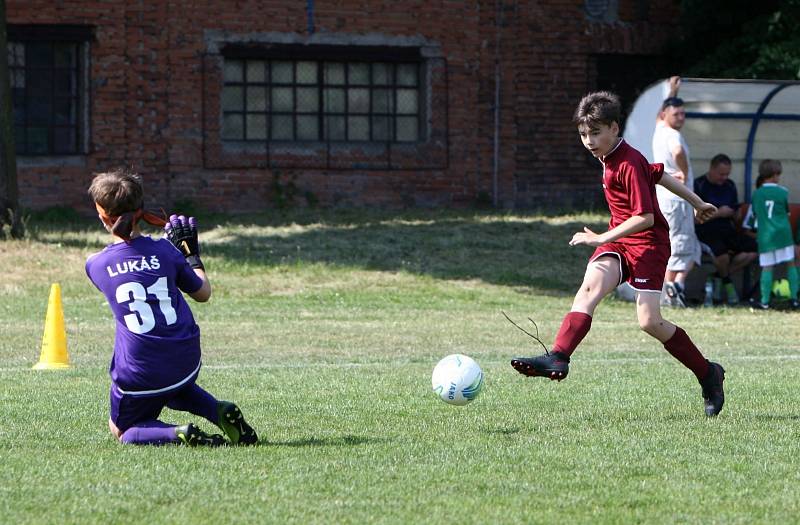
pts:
pixel 122 225
pixel 150 217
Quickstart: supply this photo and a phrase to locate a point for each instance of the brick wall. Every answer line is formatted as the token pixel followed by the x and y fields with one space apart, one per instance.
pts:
pixel 149 93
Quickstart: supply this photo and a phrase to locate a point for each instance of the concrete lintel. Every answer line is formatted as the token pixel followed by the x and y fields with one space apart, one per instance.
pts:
pixel 215 39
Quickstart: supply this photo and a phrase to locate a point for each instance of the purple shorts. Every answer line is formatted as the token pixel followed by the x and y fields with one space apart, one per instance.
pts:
pixel 128 410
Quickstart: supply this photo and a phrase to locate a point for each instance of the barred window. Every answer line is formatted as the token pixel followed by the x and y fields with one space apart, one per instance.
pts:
pixel 46 84
pixel 272 99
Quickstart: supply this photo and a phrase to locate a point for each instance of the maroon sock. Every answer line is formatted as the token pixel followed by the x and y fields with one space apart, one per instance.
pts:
pixel 682 348
pixel 573 329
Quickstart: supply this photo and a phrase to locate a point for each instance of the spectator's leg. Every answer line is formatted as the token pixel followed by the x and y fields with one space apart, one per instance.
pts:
pixel 670 292
pixel 680 277
pixel 721 276
pixel 722 264
pixel 680 284
pixel 741 260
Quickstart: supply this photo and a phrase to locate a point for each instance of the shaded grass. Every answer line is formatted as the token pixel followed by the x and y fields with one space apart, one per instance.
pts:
pixel 326 338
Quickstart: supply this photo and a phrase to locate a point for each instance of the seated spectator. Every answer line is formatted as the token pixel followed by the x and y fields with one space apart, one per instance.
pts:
pixel 769 216
pixel 732 250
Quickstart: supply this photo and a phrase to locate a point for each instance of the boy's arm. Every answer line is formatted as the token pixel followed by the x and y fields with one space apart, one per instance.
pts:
pixel 704 210
pixel 630 226
pixel 182 233
pixel 204 293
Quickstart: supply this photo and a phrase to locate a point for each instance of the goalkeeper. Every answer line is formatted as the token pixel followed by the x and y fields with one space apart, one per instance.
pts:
pixel 156 357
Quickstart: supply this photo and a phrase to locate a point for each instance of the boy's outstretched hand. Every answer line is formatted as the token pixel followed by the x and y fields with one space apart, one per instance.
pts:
pixel 587 237
pixel 182 232
pixel 704 212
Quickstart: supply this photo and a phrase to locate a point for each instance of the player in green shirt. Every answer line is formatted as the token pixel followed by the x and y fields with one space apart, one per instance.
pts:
pixel 770 207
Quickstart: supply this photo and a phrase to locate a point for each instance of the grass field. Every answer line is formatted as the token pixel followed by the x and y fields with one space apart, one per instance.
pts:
pixel 324 327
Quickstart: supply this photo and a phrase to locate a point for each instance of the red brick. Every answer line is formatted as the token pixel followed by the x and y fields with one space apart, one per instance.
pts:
pixel 147 91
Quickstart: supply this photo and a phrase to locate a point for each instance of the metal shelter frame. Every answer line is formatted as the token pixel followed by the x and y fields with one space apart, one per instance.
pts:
pixel 756 119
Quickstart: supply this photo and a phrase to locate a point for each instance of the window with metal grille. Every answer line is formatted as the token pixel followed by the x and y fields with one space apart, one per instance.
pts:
pixel 267 99
pixel 46 91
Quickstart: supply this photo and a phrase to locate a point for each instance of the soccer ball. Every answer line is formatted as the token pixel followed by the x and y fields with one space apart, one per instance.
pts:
pixel 457 379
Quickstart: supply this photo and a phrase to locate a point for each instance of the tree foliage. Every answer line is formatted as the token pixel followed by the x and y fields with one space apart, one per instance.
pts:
pixel 739 39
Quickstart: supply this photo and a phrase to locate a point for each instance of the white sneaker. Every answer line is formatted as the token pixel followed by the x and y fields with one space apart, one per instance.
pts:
pixel 674 292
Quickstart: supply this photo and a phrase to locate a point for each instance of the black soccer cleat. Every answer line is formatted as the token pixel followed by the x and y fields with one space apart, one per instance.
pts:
pixel 232 422
pixel 190 435
pixel 755 304
pixel 713 394
pixel 553 365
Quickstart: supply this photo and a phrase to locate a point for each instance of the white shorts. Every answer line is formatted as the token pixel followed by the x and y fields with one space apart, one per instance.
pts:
pixel 776 256
pixel 684 246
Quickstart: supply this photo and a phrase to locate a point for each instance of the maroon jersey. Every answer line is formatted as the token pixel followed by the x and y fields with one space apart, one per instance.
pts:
pixel 629 184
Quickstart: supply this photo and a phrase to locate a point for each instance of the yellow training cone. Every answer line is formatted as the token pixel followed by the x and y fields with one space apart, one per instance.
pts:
pixel 54 342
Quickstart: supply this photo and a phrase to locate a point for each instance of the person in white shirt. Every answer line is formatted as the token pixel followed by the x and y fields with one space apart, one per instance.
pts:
pixel 670 149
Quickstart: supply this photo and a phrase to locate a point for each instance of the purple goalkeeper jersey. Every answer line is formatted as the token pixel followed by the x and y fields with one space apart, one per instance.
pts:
pixel 157 343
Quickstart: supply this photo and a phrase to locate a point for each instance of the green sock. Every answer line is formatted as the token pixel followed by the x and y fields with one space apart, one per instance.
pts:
pixel 766 286
pixel 791 274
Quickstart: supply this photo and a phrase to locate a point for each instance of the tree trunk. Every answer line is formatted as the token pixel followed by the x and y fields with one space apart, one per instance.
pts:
pixel 9 201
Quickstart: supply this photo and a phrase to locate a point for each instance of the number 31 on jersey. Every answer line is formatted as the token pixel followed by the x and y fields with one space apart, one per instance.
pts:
pixel 135 295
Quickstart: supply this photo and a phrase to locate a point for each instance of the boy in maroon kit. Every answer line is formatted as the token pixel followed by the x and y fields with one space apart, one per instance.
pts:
pixel 634 249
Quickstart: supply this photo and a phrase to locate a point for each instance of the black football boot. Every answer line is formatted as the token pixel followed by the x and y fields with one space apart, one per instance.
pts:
pixel 553 365
pixel 713 395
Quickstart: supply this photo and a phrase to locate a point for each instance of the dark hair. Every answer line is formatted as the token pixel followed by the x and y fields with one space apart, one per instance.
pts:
pixel 770 167
pixel 720 158
pixel 767 169
pixel 121 195
pixel 117 191
pixel 601 107
pixel 672 101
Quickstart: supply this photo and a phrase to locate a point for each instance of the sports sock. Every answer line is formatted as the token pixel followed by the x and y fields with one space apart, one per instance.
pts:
pixel 195 400
pixel 717 291
pixel 794 281
pixel 152 432
pixel 730 293
pixel 682 348
pixel 573 329
pixel 766 285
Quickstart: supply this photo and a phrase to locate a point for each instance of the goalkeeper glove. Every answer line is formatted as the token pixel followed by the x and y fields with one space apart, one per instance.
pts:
pixel 182 232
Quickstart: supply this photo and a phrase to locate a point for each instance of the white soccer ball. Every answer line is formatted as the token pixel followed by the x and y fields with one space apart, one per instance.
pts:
pixel 457 379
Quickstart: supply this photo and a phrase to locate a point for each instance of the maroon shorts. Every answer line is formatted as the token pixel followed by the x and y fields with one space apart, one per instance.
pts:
pixel 642 265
